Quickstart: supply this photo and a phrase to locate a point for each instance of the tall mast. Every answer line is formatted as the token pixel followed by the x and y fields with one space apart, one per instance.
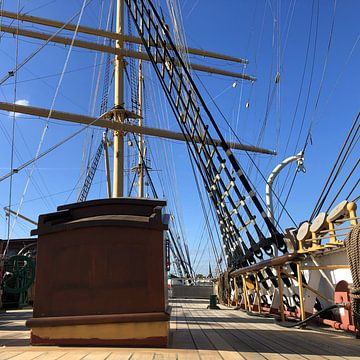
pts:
pixel 118 176
pixel 140 139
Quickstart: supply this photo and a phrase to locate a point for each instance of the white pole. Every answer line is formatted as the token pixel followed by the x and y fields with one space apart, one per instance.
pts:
pixel 269 192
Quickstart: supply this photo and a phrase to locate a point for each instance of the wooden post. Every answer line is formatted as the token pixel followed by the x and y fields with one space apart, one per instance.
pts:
pixel 236 292
pixel 257 289
pixel 301 291
pixel 281 302
pixel 246 299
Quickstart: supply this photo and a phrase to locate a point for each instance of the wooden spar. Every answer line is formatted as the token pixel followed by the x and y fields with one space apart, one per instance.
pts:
pixel 117 51
pixel 109 34
pixel 106 123
pixel 9 211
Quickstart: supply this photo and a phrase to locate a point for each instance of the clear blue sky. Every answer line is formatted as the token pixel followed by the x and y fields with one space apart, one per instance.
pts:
pixel 272 35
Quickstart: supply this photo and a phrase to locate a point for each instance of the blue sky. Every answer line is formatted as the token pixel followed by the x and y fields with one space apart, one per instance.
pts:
pixel 273 35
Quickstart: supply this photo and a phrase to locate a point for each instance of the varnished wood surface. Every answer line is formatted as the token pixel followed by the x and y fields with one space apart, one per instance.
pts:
pixel 196 333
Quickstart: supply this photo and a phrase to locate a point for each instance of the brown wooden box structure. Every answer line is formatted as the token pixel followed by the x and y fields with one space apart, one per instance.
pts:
pixel 101 275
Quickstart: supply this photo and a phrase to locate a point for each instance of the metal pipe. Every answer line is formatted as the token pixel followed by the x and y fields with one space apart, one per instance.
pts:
pixel 269 200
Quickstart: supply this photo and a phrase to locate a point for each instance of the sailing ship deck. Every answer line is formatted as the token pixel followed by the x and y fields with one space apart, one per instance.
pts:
pixel 196 333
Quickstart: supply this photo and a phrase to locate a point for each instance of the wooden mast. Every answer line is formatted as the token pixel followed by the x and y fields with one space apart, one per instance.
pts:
pixel 141 155
pixel 115 118
pixel 118 170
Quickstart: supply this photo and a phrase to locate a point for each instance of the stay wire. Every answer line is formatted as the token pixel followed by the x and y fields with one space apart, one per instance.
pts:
pixel 146 168
pixel 307 100
pixel 50 112
pixel 12 142
pixel 203 209
pixel 49 150
pixel 288 194
pixel 310 86
pixel 333 181
pixel 343 185
pixel 308 137
pixel 324 192
pixel 33 54
pixel 352 190
pixel 302 79
pixel 247 153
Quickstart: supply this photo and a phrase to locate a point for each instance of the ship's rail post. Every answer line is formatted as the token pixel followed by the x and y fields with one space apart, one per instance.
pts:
pixel 281 292
pixel 236 290
pixel 257 290
pixel 245 294
pixel 301 291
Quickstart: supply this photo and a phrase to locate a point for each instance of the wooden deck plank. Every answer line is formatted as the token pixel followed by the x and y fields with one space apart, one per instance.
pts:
pixel 277 343
pixel 29 355
pixel 225 349
pixel 301 341
pixel 165 356
pixel 312 347
pixel 196 333
pixel 288 341
pixel 51 355
pixel 285 347
pixel 5 355
pixel 188 355
pixel 97 355
pixel 252 348
pixel 181 337
pixel 201 340
pixel 120 355
pixel 75 354
pixel 139 355
pixel 267 344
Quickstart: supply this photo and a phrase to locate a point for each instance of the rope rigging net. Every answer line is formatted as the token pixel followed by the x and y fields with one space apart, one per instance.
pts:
pixel 243 239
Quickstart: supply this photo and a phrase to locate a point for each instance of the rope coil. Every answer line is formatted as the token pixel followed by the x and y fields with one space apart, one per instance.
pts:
pixel 352 243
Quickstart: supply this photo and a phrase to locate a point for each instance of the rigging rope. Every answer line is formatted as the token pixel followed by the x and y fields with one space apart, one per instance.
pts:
pixel 49 116
pixel 89 137
pixel 133 78
pixel 52 148
pixel 12 142
pixel 352 243
pixel 146 168
pixel 247 153
pixel 206 218
pixel 308 137
pixel 27 59
pixel 338 165
pixel 211 160
pixel 343 185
